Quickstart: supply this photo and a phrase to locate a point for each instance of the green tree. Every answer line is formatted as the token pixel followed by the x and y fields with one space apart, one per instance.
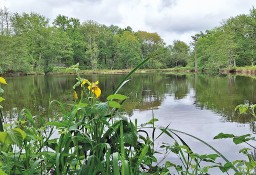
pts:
pixel 5 23
pixel 71 26
pixel 180 53
pixel 152 46
pixel 34 28
pixel 127 50
pixel 91 32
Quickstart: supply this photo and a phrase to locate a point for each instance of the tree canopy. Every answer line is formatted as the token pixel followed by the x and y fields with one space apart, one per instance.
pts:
pixel 30 40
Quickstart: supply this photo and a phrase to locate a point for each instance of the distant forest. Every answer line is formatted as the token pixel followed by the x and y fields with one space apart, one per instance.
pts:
pixel 30 43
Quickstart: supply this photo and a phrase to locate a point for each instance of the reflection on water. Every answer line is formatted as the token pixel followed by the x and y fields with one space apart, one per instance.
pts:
pixel 201 105
pixel 220 94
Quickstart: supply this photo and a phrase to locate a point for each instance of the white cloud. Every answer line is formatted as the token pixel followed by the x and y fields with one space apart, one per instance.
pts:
pixel 171 19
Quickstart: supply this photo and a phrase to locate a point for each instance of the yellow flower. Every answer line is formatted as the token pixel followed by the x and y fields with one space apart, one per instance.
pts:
pixel 84 81
pixel 2 80
pixel 75 95
pixel 95 89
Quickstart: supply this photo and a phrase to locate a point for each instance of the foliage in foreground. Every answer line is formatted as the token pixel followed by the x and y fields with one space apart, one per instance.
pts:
pixel 95 137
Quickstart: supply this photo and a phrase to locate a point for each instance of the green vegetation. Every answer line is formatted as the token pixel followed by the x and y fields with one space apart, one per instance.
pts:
pixel 30 44
pixel 90 136
pixel 228 46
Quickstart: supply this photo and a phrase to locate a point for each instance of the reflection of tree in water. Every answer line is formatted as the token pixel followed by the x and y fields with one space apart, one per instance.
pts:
pixel 178 86
pixel 35 92
pixel 253 126
pixel 223 93
pixel 145 91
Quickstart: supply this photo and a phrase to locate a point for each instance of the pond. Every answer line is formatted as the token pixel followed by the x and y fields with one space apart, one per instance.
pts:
pixel 201 105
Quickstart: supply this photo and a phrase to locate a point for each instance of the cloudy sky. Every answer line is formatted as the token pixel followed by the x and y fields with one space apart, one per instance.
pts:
pixel 171 19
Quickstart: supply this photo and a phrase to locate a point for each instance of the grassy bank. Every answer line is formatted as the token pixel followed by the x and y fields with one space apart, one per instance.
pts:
pixel 64 70
pixel 246 70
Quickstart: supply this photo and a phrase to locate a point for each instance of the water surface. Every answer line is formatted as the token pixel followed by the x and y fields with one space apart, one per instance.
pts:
pixel 201 105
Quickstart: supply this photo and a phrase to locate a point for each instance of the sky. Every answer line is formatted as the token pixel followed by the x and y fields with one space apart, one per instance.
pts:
pixel 171 19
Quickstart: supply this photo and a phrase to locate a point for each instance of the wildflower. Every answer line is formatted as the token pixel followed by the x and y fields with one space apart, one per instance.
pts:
pixel 84 81
pixel 2 80
pixel 95 89
pixel 75 95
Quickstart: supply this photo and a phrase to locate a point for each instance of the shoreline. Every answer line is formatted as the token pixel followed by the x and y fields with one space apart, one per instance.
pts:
pixel 243 71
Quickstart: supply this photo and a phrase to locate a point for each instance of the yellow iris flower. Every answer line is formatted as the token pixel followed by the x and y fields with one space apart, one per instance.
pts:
pixel 2 80
pixel 84 81
pixel 95 89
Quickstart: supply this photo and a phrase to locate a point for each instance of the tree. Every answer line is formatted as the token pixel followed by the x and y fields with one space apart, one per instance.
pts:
pixel 127 50
pixel 35 30
pixel 91 31
pixel 251 32
pixel 5 24
pixel 180 53
pixel 152 46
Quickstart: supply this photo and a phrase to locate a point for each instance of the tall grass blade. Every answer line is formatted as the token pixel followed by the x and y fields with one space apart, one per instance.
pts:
pixel 115 164
pixel 122 147
pixel 126 167
pixel 141 157
pixel 125 80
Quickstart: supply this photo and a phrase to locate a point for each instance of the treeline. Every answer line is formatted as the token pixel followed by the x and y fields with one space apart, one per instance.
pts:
pixel 30 43
pixel 228 46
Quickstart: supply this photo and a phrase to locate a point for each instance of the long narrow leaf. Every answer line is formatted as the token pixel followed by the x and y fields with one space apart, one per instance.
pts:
pixel 125 80
pixel 115 163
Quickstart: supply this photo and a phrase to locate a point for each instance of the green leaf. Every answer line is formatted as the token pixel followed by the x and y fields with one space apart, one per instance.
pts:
pixel 114 104
pixel 223 136
pixel 1 99
pixel 244 150
pixel 115 163
pixel 241 139
pixel 3 136
pixel 126 168
pixel 226 167
pixel 130 138
pixel 152 121
pixel 102 108
pixel 1 91
pixel 168 164
pixel 15 136
pixel 116 97
pixel 209 157
pixel 23 134
pixel 82 105
pixel 243 108
pixel 58 124
pixel 2 172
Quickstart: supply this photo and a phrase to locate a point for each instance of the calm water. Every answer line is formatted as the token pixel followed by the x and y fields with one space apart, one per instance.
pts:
pixel 200 105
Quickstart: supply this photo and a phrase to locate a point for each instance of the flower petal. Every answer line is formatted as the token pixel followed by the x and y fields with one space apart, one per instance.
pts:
pixel 2 80
pixel 97 91
pixel 84 81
